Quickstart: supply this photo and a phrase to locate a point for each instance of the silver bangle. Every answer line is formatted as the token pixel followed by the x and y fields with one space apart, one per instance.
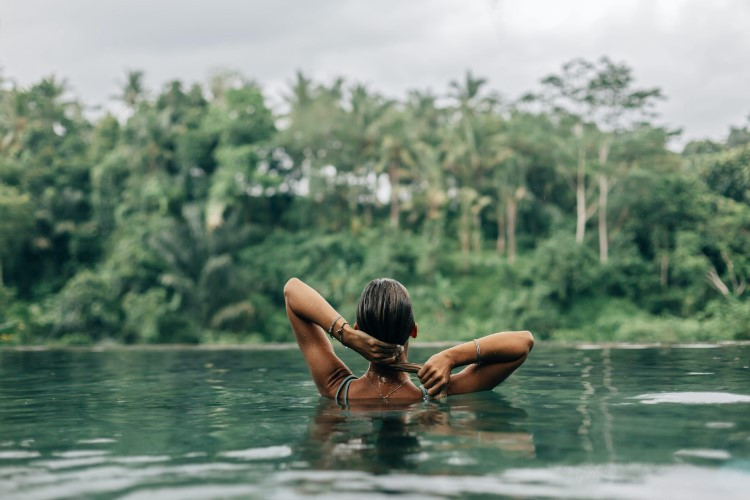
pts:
pixel 333 323
pixel 478 351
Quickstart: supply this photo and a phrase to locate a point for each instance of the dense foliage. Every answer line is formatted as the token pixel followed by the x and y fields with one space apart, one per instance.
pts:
pixel 563 212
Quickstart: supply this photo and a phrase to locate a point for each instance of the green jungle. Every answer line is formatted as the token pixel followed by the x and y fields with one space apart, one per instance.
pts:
pixel 563 211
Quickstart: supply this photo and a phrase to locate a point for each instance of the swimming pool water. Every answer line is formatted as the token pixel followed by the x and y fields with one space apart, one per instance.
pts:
pixel 583 422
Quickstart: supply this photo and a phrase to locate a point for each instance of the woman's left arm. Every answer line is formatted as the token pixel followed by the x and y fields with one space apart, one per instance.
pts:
pixel 311 316
pixel 501 354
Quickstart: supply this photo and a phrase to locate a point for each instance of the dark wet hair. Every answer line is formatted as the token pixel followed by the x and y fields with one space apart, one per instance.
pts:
pixel 384 311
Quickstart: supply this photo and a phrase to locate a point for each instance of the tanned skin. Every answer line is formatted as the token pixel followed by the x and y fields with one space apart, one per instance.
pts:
pixel 311 316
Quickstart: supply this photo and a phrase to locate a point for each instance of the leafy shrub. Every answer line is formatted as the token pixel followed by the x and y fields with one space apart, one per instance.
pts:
pixel 86 306
pixel 144 312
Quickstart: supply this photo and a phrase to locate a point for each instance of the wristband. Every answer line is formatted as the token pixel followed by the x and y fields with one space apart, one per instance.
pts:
pixel 340 331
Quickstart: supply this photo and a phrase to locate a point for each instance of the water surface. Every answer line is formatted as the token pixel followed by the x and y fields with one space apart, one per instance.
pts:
pixel 587 422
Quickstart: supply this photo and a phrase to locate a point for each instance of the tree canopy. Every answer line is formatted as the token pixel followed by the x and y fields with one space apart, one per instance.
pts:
pixel 181 221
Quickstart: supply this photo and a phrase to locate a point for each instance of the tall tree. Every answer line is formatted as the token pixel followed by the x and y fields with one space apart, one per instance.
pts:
pixel 601 93
pixel 395 156
pixel 518 146
pixel 15 222
pixel 471 152
pixel 133 90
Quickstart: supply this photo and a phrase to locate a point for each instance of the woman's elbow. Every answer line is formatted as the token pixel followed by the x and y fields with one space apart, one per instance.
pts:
pixel 290 286
pixel 528 340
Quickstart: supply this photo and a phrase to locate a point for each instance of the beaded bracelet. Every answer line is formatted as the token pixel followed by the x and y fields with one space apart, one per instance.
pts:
pixel 330 328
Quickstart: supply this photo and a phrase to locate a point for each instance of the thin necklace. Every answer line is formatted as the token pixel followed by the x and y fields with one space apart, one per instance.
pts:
pixel 385 398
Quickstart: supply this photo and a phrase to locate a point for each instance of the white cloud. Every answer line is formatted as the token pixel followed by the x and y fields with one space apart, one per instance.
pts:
pixel 694 50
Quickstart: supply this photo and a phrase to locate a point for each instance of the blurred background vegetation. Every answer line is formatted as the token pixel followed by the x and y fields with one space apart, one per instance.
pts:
pixel 563 212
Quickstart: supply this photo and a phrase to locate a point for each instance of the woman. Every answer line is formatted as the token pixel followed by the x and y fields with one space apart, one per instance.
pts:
pixel 384 311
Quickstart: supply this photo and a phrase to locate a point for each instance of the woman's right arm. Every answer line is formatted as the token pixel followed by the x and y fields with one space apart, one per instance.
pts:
pixel 500 354
pixel 310 314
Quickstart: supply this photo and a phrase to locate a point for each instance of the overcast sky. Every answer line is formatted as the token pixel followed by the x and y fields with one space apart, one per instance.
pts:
pixel 697 51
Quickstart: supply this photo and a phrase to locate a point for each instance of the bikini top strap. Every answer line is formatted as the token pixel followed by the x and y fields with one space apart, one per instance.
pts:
pixel 348 380
pixel 346 390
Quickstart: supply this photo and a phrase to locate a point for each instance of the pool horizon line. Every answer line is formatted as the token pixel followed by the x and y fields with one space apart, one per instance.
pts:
pixel 587 345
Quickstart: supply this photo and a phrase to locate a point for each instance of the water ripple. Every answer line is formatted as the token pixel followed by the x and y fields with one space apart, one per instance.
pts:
pixel 704 453
pixel 631 481
pixel 259 453
pixel 693 398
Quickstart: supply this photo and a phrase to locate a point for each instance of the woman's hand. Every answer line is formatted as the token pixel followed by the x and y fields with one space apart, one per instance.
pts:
pixel 436 373
pixel 371 348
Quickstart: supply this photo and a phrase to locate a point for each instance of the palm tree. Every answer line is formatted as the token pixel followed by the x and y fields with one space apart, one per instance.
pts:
pixel 472 152
pixel 13 120
pixel 427 122
pixel 357 146
pixel 395 157
pixel 515 149
pixel 468 98
pixel 133 91
pixel 200 269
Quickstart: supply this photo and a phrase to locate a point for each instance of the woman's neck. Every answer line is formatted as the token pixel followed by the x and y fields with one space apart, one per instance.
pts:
pixel 385 371
pixel 380 370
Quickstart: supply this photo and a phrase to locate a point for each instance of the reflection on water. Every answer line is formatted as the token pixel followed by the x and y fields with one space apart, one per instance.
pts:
pixel 461 431
pixel 603 422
